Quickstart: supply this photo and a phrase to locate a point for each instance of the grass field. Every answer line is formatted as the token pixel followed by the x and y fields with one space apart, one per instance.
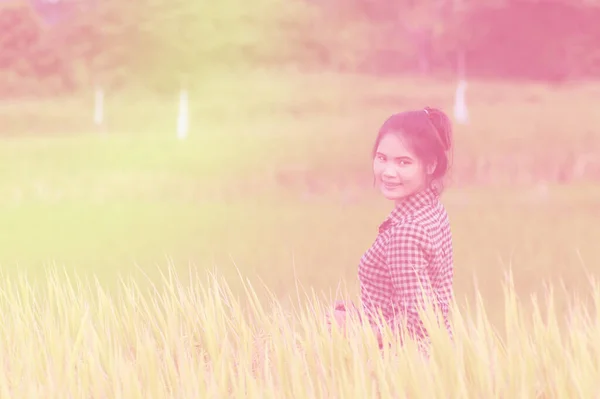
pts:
pixel 275 181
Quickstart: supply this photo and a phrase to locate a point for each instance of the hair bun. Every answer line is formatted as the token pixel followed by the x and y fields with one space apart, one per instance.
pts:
pixel 442 124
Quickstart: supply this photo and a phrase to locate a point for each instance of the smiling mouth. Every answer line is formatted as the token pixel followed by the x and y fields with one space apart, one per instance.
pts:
pixel 392 185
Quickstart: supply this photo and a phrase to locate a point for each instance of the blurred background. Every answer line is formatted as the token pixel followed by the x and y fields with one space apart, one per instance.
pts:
pixel 229 134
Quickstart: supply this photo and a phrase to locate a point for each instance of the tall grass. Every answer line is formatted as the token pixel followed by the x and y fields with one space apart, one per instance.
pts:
pixel 70 338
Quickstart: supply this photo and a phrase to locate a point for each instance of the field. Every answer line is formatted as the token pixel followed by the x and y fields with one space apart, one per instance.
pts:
pixel 273 184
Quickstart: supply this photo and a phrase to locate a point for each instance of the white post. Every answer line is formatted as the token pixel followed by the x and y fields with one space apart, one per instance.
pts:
pixel 461 113
pixel 99 106
pixel 183 115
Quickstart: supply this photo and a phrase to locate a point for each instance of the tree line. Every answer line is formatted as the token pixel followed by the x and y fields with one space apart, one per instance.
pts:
pixel 64 46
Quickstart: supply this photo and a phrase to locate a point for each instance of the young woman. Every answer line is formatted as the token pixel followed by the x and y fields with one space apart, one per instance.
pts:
pixel 410 263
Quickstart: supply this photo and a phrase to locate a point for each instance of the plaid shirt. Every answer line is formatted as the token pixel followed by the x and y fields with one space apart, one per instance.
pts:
pixel 412 250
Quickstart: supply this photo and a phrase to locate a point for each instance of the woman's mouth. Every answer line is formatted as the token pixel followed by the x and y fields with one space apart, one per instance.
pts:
pixel 391 186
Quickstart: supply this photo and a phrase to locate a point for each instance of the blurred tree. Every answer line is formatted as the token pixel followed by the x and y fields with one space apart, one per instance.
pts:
pixel 72 44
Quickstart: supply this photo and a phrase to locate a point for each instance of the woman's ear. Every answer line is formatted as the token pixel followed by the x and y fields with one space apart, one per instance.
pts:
pixel 431 167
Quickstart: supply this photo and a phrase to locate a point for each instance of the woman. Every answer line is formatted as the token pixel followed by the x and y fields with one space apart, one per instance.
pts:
pixel 410 263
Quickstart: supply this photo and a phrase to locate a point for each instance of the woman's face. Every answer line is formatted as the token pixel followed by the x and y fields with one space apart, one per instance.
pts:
pixel 398 171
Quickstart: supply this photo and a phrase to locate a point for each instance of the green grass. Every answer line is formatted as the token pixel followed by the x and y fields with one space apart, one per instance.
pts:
pixel 279 184
pixel 274 183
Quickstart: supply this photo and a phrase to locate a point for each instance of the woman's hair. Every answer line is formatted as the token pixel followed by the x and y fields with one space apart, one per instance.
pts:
pixel 428 132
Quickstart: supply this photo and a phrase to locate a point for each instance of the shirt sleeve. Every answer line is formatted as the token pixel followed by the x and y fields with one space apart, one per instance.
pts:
pixel 407 260
pixel 374 280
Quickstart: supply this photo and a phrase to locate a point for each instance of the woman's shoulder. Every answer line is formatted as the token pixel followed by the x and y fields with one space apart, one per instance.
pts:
pixel 421 225
pixel 411 230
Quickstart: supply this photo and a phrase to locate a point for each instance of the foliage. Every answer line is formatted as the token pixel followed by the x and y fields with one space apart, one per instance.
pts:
pixel 158 44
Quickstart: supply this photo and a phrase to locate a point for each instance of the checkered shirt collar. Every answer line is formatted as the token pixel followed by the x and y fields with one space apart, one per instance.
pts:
pixel 410 205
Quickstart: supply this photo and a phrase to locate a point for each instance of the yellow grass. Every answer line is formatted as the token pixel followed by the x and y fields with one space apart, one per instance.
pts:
pixel 69 338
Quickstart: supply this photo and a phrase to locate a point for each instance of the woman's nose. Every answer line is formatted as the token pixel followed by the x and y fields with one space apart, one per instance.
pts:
pixel 389 170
